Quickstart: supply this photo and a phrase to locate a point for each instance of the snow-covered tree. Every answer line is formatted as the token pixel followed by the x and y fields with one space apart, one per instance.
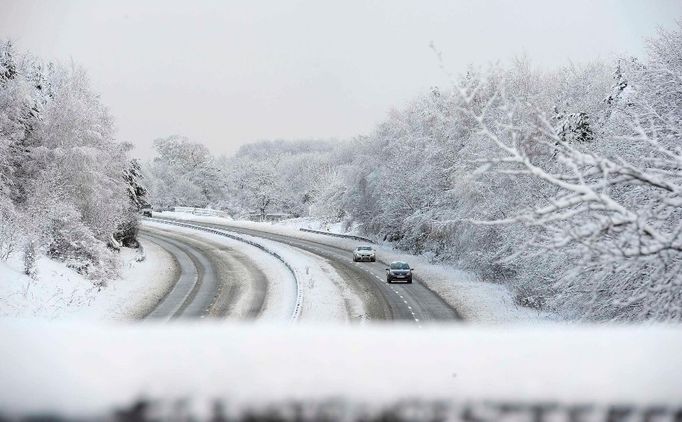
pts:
pixel 616 204
pixel 62 186
pixel 127 230
pixel 137 193
pixel 275 176
pixel 183 173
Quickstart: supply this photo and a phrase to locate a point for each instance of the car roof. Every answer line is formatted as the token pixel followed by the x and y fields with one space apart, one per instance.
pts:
pixel 398 262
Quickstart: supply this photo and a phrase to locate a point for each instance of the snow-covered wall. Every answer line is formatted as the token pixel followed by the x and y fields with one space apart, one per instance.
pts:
pixel 91 368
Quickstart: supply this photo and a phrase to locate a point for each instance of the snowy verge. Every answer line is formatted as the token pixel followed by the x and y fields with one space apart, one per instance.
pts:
pixel 60 292
pixel 474 300
pixel 111 365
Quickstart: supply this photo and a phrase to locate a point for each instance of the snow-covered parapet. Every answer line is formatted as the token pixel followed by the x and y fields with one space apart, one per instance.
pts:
pixel 636 369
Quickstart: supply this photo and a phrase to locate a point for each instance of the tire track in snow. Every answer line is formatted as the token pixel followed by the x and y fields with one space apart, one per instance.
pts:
pixel 299 295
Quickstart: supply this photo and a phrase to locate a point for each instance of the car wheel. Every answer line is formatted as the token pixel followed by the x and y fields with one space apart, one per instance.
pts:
pixel 373 260
pixel 409 281
pixel 355 259
pixel 388 280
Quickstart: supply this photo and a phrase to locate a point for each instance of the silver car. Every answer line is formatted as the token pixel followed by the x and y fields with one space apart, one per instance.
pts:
pixel 364 253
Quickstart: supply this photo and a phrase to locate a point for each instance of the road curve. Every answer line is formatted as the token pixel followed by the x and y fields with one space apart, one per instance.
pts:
pixel 195 289
pixel 408 302
pixel 215 280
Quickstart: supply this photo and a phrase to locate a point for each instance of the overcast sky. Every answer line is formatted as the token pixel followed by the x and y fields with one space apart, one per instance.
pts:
pixel 233 72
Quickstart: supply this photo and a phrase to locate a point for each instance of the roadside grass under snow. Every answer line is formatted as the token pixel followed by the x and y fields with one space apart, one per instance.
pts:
pixel 60 292
pixel 475 300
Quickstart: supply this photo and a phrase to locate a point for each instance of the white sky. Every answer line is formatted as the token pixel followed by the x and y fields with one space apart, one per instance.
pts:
pixel 233 72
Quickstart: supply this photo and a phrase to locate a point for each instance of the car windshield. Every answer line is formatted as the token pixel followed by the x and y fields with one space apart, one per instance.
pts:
pixel 400 266
pixel 364 248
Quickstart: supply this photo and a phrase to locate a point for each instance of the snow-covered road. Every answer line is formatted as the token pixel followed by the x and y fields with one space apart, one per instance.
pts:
pixel 221 277
pixel 282 283
pixel 336 288
pixel 196 287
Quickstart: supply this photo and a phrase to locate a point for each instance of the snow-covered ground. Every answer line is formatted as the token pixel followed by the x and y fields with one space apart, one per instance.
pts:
pixel 475 300
pixel 60 292
pixel 82 367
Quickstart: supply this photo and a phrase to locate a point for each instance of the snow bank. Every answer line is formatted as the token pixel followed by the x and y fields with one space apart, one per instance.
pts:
pixel 325 295
pixel 60 292
pixel 475 300
pixel 56 292
pixel 102 366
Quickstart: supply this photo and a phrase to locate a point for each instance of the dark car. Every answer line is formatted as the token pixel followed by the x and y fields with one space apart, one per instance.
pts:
pixel 399 271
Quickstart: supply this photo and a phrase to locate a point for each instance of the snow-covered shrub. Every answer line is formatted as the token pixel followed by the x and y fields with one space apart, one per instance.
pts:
pixel 30 255
pixel 69 240
pixel 5 170
pixel 127 230
pixel 10 229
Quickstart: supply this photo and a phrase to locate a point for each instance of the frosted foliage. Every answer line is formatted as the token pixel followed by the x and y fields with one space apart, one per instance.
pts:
pixel 612 203
pixel 183 173
pixel 62 190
